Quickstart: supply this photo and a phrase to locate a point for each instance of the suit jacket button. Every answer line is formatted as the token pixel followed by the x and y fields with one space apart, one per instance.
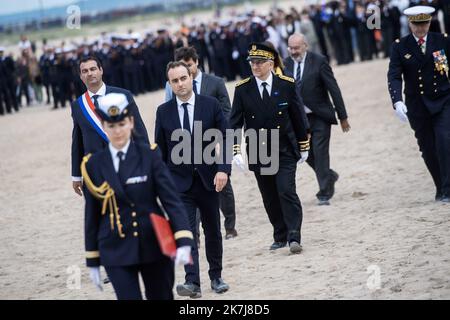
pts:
pixel 421 85
pixel 280 113
pixel 253 117
pixel 435 90
pixel 420 78
pixel 133 214
pixel 135 234
pixel 278 127
pixel 435 83
pixel 421 92
pixel 135 224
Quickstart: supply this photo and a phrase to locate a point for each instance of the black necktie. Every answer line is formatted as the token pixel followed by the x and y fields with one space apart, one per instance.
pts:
pixel 186 123
pixel 266 97
pixel 121 157
pixel 195 87
pixel 95 97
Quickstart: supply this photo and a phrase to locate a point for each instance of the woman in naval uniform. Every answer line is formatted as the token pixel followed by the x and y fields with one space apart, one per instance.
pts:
pixel 124 181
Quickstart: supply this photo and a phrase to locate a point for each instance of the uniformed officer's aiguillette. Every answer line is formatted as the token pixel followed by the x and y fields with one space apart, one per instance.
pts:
pixel 118 231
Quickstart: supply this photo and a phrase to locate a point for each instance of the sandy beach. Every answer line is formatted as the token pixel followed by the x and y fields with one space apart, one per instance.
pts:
pixel 382 221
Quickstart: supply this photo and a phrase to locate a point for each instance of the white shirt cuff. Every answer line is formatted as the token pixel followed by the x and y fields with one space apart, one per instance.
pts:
pixel 76 179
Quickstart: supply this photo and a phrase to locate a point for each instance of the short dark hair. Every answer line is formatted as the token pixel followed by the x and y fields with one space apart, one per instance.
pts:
pixel 186 53
pixel 176 64
pixel 90 58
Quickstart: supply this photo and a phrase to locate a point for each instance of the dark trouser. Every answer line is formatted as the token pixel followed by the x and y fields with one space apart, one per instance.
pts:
pixel 281 201
pixel 208 203
pixel 158 280
pixel 319 154
pixel 433 137
pixel 227 206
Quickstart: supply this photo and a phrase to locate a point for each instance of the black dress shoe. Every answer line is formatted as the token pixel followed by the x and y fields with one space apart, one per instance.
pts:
pixel 295 247
pixel 219 286
pixel 231 233
pixel 189 289
pixel 445 199
pixel 438 196
pixel 277 245
pixel 334 178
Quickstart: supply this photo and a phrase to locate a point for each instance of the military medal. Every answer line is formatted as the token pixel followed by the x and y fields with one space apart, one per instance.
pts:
pixel 441 62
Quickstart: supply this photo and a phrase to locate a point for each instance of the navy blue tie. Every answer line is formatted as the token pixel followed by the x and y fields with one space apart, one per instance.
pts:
pixel 95 98
pixel 298 79
pixel 186 123
pixel 195 86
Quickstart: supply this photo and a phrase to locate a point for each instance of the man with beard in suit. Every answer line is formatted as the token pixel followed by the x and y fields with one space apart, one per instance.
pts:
pixel 315 82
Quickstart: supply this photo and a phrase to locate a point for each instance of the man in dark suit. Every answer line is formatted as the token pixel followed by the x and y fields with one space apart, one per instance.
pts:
pixel 315 82
pixel 268 104
pixel 422 59
pixel 211 86
pixel 87 135
pixel 198 182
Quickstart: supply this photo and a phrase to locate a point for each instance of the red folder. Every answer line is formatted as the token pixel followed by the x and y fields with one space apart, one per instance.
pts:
pixel 164 235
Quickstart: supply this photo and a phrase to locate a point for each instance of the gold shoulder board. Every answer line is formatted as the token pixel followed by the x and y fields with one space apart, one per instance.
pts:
pixel 153 146
pixel 281 76
pixel 242 82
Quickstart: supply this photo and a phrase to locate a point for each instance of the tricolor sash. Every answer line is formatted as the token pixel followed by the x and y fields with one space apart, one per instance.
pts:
pixel 88 108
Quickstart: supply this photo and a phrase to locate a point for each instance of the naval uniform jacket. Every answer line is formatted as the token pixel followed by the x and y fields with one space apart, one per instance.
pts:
pixel 143 178
pixel 284 112
pixel 424 85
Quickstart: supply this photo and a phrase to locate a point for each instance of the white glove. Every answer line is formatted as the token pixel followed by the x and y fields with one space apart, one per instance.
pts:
pixel 239 161
pixel 183 256
pixel 401 110
pixel 304 155
pixel 94 274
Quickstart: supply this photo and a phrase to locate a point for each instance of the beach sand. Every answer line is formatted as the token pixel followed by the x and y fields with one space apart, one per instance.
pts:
pixel 383 219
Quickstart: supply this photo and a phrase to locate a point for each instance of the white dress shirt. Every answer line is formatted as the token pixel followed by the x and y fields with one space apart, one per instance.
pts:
pixel 190 108
pixel 115 158
pixel 300 64
pixel 269 82
pixel 101 92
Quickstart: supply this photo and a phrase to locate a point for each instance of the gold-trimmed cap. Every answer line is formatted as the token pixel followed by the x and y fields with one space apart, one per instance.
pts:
pixel 419 14
pixel 113 107
pixel 260 51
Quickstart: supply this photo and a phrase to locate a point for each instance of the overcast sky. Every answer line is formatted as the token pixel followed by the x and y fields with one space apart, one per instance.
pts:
pixel 27 5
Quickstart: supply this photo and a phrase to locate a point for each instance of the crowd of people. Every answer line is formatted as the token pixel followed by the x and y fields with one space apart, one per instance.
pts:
pixel 339 30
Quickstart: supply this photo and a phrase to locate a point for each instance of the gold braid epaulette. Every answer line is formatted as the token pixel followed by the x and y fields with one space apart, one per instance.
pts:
pixel 242 82
pixel 105 193
pixel 282 76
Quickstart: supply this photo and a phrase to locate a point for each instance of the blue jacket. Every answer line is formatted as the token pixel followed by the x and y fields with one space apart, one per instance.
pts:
pixel 86 140
pixel 423 83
